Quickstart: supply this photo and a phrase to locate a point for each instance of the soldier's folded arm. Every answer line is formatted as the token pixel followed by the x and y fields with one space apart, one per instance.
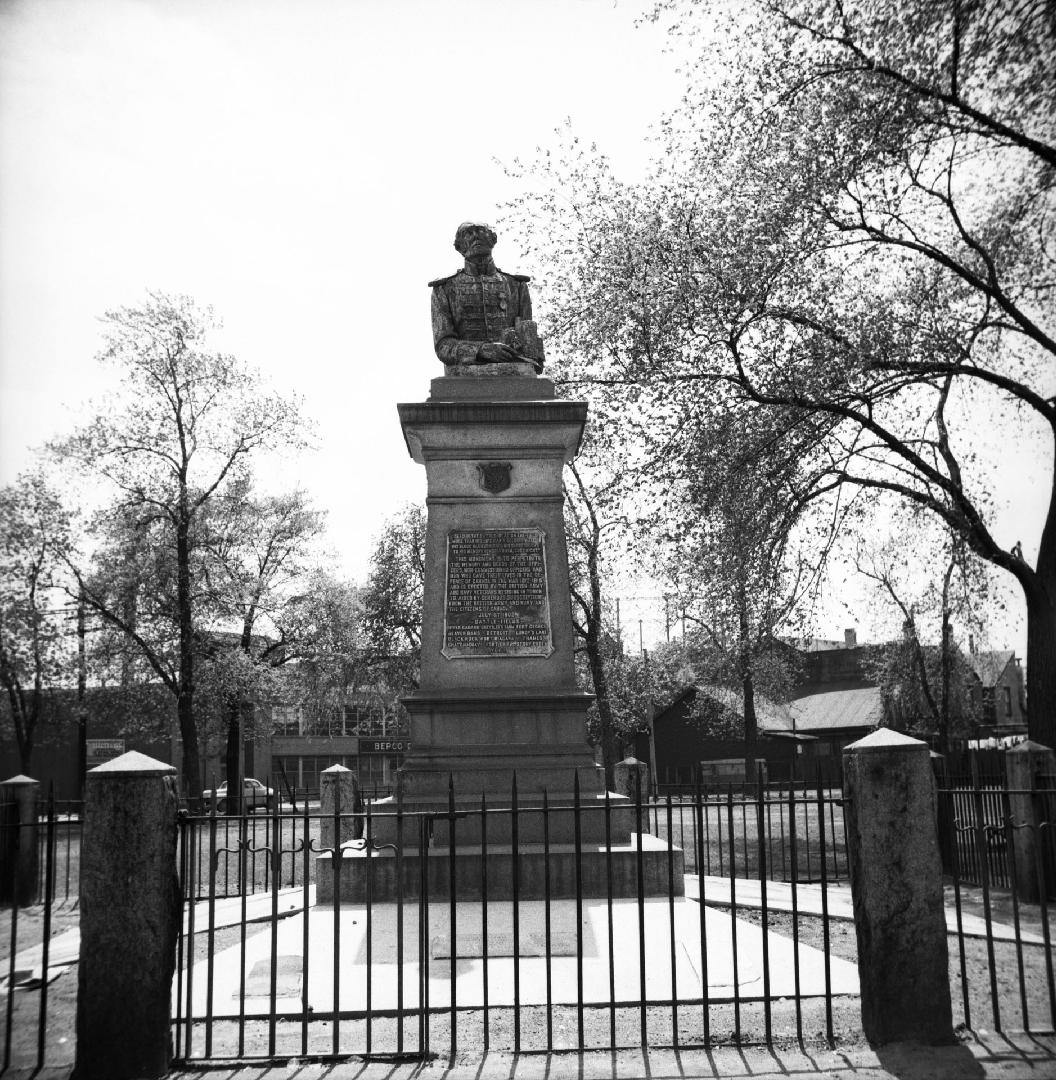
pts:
pixel 452 351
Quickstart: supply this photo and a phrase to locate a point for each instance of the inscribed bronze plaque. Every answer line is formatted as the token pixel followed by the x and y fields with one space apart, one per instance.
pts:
pixel 496 600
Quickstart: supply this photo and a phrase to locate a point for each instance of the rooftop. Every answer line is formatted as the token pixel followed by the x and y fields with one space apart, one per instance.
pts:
pixel 850 704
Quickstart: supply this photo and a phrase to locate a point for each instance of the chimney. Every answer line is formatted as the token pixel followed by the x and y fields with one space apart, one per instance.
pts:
pixel 850 638
pixel 971 644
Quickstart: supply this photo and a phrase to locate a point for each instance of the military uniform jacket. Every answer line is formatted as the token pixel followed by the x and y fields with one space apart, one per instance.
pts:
pixel 469 309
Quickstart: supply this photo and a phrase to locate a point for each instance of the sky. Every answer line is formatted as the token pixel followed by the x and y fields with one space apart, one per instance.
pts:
pixel 300 167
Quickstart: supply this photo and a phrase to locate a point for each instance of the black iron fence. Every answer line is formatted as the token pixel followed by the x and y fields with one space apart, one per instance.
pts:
pixel 974 812
pixel 249 848
pixel 1001 957
pixel 513 927
pixel 38 936
pixel 524 925
pixel 731 818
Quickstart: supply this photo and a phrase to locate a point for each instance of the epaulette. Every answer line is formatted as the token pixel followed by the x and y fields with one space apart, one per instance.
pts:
pixel 441 280
pixel 519 277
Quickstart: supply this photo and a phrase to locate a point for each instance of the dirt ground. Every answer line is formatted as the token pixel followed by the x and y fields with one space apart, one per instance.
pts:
pixel 1022 976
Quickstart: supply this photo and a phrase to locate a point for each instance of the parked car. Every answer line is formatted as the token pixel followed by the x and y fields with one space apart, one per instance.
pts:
pixel 257 796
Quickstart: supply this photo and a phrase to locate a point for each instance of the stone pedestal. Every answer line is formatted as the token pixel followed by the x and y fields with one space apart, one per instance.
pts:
pixel 498 716
pixel 498 695
pixel 556 871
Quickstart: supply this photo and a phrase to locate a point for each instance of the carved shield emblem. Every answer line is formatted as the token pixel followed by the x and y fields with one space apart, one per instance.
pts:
pixel 494 476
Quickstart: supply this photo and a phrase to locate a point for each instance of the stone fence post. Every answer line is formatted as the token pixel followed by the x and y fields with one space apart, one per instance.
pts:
pixel 896 880
pixel 19 846
pixel 1024 766
pixel 338 793
pixel 626 776
pixel 130 912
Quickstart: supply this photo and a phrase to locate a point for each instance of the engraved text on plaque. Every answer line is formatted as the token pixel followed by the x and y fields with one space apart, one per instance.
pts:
pixel 496 598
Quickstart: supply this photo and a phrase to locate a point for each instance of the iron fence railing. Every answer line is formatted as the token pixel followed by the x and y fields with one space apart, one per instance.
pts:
pixel 38 920
pixel 534 924
pixel 571 949
pixel 730 827
pixel 1002 972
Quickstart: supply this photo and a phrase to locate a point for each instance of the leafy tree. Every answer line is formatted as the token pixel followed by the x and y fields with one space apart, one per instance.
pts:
pixel 925 687
pixel 334 663
pixel 392 600
pixel 851 221
pixel 255 549
pixel 743 554
pixel 35 653
pixel 637 683
pixel 592 518
pixel 178 438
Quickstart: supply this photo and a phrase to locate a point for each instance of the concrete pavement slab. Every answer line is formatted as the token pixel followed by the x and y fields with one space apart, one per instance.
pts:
pixel 675 965
pixel 809 901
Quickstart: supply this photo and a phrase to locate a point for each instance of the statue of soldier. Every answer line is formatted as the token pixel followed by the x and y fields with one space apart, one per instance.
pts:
pixel 482 315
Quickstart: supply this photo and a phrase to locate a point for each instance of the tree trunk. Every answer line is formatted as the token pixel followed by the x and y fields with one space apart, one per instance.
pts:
pixel 601 693
pixel 751 723
pixel 82 695
pixel 944 710
pixel 232 757
pixel 751 727
pixel 26 731
pixel 25 755
pixel 192 778
pixel 1040 594
pixel 1041 665
pixel 597 661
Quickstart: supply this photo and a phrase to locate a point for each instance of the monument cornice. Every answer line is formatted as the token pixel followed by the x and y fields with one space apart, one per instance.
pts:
pixel 485 700
pixel 493 412
pixel 460 500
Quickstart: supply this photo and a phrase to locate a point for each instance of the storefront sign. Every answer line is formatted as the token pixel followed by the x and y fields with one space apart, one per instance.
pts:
pixel 384 746
pixel 100 750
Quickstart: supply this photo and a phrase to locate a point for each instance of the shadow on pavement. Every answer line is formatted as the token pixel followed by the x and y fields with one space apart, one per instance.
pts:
pixel 912 1062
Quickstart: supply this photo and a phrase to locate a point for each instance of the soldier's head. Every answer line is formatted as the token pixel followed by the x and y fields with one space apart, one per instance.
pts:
pixel 474 238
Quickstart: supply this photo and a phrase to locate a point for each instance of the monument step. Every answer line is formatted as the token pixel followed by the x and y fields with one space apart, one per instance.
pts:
pixel 647 866
pixel 430 812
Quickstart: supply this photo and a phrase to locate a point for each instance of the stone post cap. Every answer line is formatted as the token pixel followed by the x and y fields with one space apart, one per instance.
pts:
pixel 632 761
pixel 133 764
pixel 19 781
pixel 883 740
pixel 335 769
pixel 1029 747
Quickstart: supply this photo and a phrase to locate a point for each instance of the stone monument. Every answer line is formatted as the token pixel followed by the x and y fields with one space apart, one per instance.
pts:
pixel 497 696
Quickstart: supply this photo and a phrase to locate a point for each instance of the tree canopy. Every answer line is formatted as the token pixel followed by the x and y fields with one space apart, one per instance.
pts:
pixel 174 443
pixel 849 229
pixel 35 630
pixel 392 599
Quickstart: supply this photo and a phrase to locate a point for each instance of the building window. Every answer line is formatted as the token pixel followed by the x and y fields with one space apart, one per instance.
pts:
pixel 1007 691
pixel 372 722
pixel 286 719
